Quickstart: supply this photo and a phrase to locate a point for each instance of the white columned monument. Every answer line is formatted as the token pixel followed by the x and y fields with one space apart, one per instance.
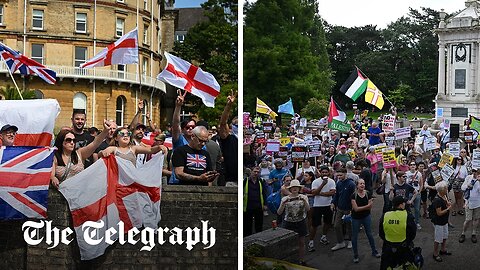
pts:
pixel 459 65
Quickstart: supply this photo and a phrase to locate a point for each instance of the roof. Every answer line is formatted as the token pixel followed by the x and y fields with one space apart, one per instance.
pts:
pixel 188 17
pixel 467 17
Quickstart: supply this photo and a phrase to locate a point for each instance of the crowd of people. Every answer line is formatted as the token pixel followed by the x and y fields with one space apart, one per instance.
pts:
pixel 201 154
pixel 337 188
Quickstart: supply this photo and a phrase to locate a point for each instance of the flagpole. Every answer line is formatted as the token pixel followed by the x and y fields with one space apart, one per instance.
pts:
pixel 13 79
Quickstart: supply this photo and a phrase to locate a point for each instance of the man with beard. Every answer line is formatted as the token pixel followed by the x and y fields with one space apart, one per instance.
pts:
pixel 106 142
pixel 229 143
pixel 138 134
pixel 82 138
pixel 181 132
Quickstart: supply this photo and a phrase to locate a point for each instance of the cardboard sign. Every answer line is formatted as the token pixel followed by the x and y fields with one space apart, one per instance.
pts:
pixel 447 171
pixel 390 140
pixel 468 136
pixel 454 149
pixel 314 149
pixel 430 143
pixel 283 152
pixel 419 140
pixel 476 159
pixel 446 158
pixel 402 133
pixel 378 150
pixel 272 146
pixel 303 122
pixel 389 160
pixel 437 176
pixel 388 123
pixel 246 119
pixel 299 153
pixel 284 141
pixel 267 127
pixel 260 138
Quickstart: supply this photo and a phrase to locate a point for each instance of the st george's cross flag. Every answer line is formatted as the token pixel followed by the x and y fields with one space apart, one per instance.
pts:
pixel 113 190
pixel 374 96
pixel 123 51
pixel 337 119
pixel 355 85
pixel 26 66
pixel 182 74
pixel 24 178
pixel 35 119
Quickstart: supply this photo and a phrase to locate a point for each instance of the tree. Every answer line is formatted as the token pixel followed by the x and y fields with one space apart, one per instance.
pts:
pixel 315 109
pixel 284 53
pixel 213 45
pixel 11 93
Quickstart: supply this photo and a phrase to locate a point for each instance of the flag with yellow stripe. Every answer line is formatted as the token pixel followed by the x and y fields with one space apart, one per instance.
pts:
pixel 374 96
pixel 263 108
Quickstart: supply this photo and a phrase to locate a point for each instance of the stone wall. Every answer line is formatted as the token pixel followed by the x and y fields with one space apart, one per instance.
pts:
pixel 181 206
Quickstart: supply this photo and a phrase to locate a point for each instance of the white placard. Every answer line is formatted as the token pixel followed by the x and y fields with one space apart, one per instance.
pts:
pixel 430 143
pixel 476 159
pixel 303 122
pixel 314 149
pixel 388 123
pixel 447 172
pixel 390 140
pixel 402 133
pixel 454 148
pixel 272 146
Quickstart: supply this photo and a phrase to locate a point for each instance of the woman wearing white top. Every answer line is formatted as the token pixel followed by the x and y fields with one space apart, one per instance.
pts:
pixel 388 179
pixel 472 207
pixel 458 177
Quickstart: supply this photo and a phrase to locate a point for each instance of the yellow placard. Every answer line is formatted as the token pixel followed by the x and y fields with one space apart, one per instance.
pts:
pixel 446 158
pixel 284 141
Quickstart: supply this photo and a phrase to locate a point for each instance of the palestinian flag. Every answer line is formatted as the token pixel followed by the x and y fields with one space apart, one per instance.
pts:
pixel 337 119
pixel 355 85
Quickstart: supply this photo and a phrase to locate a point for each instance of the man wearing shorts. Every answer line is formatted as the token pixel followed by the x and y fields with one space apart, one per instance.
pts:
pixel 472 207
pixel 323 188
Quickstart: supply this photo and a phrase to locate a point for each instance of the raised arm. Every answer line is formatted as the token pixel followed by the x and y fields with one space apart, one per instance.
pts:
pixel 224 130
pixel 88 150
pixel 176 116
pixel 135 121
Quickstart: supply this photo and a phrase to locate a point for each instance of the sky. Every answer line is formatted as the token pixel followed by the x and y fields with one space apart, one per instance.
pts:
pixel 351 13
pixel 188 3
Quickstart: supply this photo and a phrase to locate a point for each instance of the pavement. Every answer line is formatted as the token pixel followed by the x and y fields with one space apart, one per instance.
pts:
pixel 465 255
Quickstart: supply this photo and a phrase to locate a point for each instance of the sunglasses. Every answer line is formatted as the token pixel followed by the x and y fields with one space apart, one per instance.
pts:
pixel 123 134
pixel 70 140
pixel 413 164
pixel 200 140
pixel 189 127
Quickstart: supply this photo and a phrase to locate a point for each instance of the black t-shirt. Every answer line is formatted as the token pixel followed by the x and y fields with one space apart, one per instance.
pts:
pixel 440 220
pixel 102 147
pixel 361 202
pixel 405 190
pixel 366 175
pixel 229 148
pixel 194 162
pixel 83 140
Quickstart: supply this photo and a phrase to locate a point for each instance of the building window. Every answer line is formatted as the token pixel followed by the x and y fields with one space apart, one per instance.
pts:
pixel 37 53
pixel 144 112
pixel 180 38
pixel 80 56
pixel 81 23
pixel 144 66
pixel 37 22
pixel 38 94
pixel 460 78
pixel 119 26
pixel 121 71
pixel 80 101
pixel 460 112
pixel 1 14
pixel 120 110
pixel 145 4
pixel 120 1
pixel 145 34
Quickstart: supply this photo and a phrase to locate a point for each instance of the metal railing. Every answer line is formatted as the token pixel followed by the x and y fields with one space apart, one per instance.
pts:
pixel 100 74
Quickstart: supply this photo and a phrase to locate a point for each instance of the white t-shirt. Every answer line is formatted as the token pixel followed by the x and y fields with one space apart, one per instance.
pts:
pixel 318 200
pixel 388 181
pixel 414 182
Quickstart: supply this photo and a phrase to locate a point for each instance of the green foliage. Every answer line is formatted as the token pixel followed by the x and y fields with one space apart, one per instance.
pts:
pixel 11 93
pixel 284 53
pixel 212 115
pixel 402 95
pixel 315 109
pixel 213 45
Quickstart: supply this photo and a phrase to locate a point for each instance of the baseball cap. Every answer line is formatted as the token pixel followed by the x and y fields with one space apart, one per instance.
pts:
pixel 140 125
pixel 343 146
pixel 397 201
pixel 7 127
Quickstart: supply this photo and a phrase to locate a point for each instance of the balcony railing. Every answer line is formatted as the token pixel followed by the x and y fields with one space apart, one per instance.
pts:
pixel 101 74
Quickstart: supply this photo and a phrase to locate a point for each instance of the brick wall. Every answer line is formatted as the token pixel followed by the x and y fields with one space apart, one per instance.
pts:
pixel 181 207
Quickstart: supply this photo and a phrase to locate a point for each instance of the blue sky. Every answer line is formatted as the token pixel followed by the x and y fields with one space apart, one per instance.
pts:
pixel 188 3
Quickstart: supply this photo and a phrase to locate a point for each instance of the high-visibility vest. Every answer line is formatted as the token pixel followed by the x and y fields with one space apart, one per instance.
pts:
pixel 395 226
pixel 245 194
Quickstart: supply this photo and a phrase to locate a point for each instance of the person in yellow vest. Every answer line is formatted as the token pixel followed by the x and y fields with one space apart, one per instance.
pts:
pixel 254 198
pixel 397 230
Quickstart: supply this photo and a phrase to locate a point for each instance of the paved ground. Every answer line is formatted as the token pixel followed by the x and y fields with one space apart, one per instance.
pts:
pixel 465 255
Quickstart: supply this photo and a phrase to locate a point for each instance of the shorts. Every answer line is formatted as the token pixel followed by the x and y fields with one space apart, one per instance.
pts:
pixel 320 211
pixel 457 185
pixel 298 227
pixel 471 214
pixel 441 233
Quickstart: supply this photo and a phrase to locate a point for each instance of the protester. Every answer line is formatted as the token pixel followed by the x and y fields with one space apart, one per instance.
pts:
pixel 8 133
pixel 229 143
pixel 471 187
pixel 440 221
pixel 414 179
pixel 82 138
pixel 389 180
pixel 373 133
pixel 254 198
pixel 362 203
pixel 276 175
pixel 296 207
pixel 342 204
pixel 343 156
pixel 458 178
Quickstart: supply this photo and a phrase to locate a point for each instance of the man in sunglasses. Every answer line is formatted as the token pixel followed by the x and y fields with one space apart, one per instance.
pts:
pixel 192 163
pixel 181 132
pixel 82 138
pixel 8 133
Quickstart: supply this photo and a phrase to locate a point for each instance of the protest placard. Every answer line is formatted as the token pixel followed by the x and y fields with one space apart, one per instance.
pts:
pixel 314 149
pixel 299 153
pixel 437 176
pixel 402 133
pixel 246 119
pixel 430 143
pixel 308 137
pixel 303 122
pixel 267 127
pixel 390 140
pixel 389 158
pixel 284 141
pixel 476 159
pixel 378 150
pixel 454 148
pixel 446 158
pixel 388 123
pixel 260 138
pixel 272 146
pixel 447 172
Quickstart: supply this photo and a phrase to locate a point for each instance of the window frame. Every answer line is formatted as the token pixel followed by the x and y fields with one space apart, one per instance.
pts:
pixel 122 111
pixel 75 59
pixel 41 20
pixel 145 34
pixel 116 26
pixel 42 57
pixel 77 21
pixel 2 10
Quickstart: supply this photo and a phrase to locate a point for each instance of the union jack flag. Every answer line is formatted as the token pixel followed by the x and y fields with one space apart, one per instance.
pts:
pixel 24 178
pixel 16 61
pixel 196 160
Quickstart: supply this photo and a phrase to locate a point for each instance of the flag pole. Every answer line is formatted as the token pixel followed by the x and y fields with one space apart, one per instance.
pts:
pixel 13 79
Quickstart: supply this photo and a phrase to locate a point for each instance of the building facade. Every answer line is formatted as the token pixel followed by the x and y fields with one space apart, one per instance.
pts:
pixel 64 34
pixel 459 65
